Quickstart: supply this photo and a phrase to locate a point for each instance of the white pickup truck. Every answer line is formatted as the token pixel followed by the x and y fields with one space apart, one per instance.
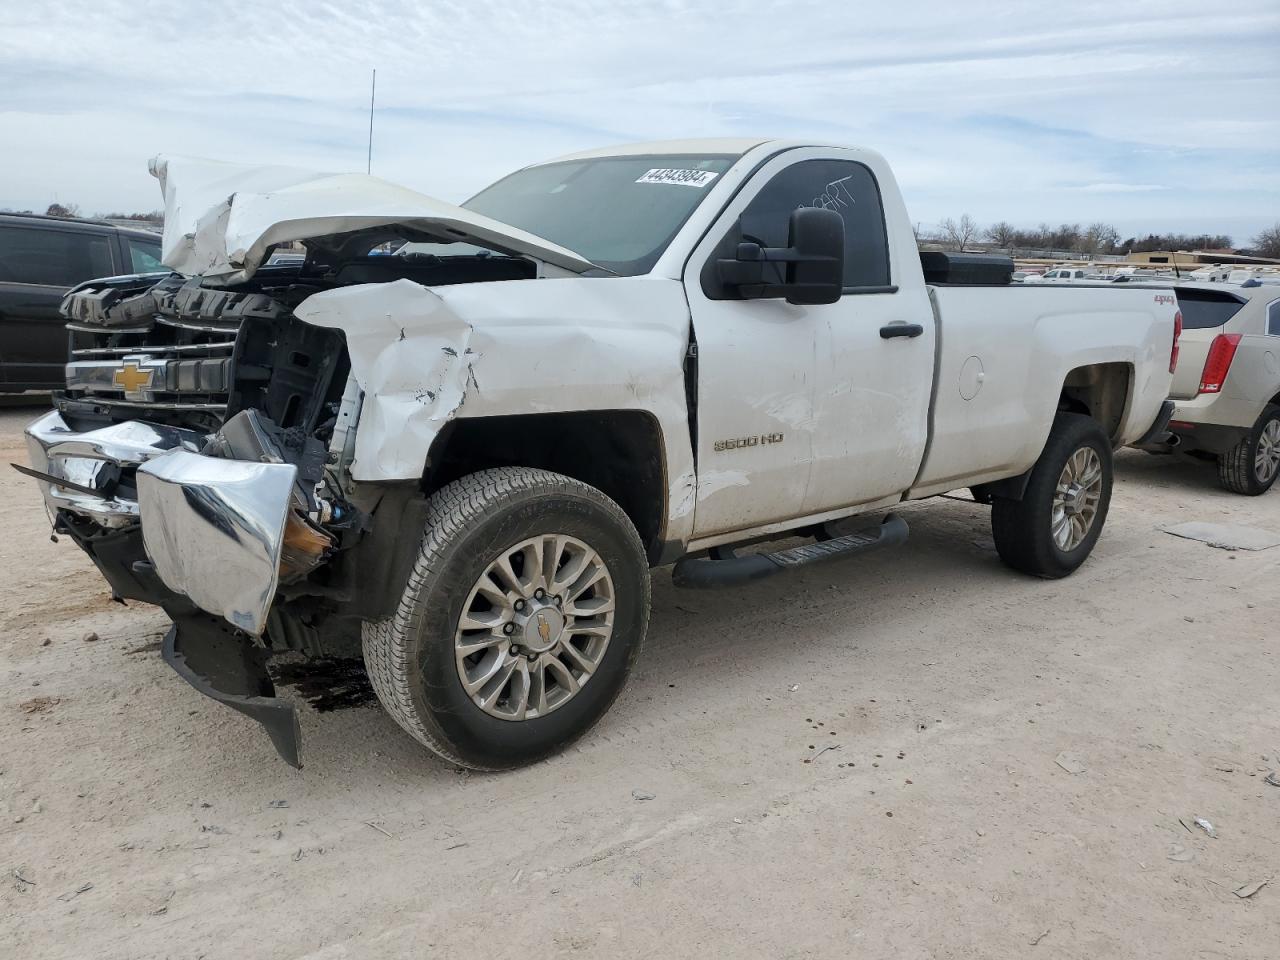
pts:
pixel 460 461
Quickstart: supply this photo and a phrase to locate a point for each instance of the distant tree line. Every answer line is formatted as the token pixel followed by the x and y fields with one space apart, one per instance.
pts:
pixel 73 210
pixel 1091 240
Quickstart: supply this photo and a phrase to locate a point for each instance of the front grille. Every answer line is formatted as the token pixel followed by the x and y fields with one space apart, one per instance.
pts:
pixel 169 345
pixel 171 350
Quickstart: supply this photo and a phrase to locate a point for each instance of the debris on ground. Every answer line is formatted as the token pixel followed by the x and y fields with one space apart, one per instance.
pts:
pixel 39 704
pixel 1207 827
pixel 1249 889
pixel 1037 940
pixel 23 882
pixel 1272 778
pixel 1226 536
pixel 1069 763
pixel 278 804
pixel 370 823
pixel 83 888
pixel 641 795
pixel 794 687
pixel 90 637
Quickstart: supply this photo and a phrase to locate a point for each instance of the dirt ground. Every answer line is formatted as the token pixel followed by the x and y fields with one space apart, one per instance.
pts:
pixel 139 819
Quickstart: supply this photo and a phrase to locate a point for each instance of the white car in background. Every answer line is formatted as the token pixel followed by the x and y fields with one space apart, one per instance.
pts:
pixel 1060 275
pixel 1227 383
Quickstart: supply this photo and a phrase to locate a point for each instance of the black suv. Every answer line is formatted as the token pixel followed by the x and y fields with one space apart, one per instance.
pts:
pixel 41 258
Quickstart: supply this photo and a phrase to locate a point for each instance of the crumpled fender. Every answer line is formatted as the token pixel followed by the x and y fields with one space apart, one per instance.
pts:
pixel 425 356
pixel 411 355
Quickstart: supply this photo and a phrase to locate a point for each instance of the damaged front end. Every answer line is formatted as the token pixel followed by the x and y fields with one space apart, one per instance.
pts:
pixel 204 451
pixel 210 489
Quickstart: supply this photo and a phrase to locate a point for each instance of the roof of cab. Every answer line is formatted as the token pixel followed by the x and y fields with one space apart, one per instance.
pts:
pixel 735 146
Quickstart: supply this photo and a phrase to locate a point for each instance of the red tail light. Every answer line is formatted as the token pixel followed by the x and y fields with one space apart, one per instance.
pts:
pixel 1177 335
pixel 1216 366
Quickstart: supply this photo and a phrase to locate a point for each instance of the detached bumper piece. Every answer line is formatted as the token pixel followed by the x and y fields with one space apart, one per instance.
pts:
pixel 214 530
pixel 228 668
pixel 725 569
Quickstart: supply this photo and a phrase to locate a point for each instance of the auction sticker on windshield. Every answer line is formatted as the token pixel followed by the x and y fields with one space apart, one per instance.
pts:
pixel 684 178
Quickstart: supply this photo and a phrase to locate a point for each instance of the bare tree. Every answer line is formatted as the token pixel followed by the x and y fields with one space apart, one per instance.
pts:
pixel 1267 243
pixel 1002 234
pixel 1100 238
pixel 961 234
pixel 62 210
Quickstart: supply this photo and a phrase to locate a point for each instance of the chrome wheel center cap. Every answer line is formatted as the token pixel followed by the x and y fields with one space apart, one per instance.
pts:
pixel 542 629
pixel 1073 502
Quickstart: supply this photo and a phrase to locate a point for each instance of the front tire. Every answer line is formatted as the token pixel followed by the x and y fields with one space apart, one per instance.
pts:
pixel 1252 465
pixel 524 612
pixel 1053 528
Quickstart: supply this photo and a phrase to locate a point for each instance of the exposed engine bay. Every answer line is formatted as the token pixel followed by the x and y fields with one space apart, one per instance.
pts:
pixel 238 377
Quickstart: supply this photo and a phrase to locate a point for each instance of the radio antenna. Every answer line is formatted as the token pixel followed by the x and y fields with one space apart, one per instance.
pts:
pixel 373 89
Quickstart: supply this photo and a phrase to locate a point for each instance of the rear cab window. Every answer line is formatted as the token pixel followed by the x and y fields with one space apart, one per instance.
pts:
pixel 1206 309
pixel 48 256
pixel 1273 318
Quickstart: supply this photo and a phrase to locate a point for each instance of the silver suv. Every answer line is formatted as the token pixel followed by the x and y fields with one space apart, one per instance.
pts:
pixel 1227 384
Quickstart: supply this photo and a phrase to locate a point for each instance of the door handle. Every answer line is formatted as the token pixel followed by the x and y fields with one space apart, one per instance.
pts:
pixel 893 330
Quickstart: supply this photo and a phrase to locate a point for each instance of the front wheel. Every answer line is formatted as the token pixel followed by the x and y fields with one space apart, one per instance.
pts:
pixel 1053 528
pixel 1252 465
pixel 521 620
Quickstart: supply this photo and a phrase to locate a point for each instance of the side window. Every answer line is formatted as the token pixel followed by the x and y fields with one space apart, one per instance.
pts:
pixel 60 258
pixel 144 256
pixel 840 185
pixel 1273 318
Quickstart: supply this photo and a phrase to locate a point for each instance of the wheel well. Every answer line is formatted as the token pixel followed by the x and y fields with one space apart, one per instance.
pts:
pixel 1101 391
pixel 619 452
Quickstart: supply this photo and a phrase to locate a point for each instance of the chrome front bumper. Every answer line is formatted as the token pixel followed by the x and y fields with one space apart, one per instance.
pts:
pixel 85 459
pixel 212 528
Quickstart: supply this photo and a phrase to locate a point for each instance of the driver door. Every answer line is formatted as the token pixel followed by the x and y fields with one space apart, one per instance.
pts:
pixel 804 409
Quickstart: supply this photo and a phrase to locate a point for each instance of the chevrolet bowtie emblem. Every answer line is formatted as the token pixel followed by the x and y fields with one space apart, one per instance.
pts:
pixel 133 380
pixel 544 629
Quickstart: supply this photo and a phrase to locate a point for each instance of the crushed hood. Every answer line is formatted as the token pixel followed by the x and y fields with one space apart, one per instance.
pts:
pixel 220 219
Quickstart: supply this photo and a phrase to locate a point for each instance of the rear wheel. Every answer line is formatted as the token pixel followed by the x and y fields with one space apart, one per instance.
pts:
pixel 1053 528
pixel 1252 465
pixel 523 615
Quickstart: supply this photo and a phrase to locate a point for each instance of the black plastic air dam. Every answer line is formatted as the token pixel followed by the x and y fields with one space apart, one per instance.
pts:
pixel 230 669
pixel 700 573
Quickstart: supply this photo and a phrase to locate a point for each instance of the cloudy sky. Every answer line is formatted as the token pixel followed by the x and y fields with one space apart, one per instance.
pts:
pixel 1148 115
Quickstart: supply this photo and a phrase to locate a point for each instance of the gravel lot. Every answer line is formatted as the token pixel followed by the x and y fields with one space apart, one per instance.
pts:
pixel 139 819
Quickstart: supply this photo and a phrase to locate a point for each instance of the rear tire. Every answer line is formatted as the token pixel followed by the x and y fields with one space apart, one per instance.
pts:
pixel 490 539
pixel 1053 528
pixel 1252 465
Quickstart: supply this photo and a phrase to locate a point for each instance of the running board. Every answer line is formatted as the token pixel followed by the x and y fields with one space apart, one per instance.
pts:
pixel 728 570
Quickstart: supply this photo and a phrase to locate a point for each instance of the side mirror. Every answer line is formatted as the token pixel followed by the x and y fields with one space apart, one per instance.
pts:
pixel 811 267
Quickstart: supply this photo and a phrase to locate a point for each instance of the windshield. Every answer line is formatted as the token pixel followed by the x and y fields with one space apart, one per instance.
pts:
pixel 617 212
